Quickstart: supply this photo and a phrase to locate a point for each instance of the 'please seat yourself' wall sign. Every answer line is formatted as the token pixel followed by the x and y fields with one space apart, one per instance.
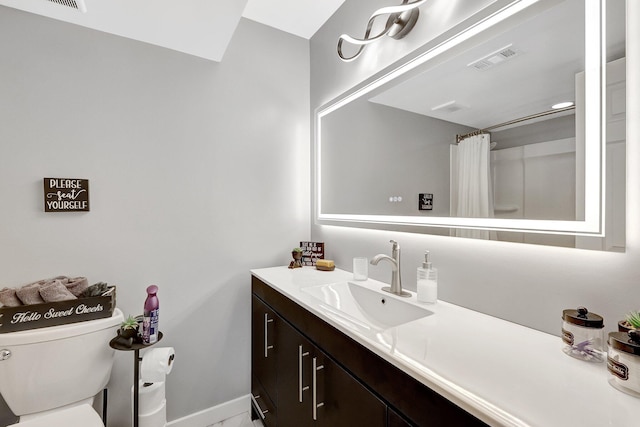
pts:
pixel 66 195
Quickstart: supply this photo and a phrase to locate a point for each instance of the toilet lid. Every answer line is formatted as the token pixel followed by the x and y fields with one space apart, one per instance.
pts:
pixel 77 416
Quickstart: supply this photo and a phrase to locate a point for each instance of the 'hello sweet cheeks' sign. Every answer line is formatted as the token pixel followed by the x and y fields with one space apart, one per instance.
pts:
pixel 51 313
pixel 66 194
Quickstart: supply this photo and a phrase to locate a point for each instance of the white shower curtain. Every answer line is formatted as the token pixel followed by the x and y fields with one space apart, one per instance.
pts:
pixel 474 195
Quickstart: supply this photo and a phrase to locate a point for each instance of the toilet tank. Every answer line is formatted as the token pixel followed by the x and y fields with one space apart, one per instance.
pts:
pixel 56 366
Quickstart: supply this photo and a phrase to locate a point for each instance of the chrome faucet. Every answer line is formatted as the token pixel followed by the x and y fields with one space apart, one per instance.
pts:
pixel 394 259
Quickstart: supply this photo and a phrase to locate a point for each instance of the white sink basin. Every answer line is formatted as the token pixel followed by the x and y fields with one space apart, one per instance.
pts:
pixel 358 305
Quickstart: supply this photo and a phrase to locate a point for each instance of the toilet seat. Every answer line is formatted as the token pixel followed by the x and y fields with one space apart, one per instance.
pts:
pixel 77 416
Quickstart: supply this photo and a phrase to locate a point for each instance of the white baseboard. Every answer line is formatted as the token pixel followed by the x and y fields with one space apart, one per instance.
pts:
pixel 215 414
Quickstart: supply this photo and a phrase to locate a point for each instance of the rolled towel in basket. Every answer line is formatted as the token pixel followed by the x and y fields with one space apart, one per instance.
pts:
pixel 30 294
pixel 55 291
pixel 95 290
pixel 8 298
pixel 76 285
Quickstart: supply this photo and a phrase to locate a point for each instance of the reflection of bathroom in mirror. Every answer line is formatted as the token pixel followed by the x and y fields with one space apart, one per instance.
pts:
pixel 417 134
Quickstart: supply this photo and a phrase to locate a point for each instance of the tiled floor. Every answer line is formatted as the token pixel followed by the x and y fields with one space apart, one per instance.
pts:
pixel 242 420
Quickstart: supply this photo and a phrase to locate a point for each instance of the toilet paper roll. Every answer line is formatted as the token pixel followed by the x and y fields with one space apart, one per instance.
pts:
pixel 150 398
pixel 156 364
pixel 154 419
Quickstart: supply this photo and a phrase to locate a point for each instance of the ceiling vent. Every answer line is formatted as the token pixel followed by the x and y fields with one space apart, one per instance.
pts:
pixel 495 58
pixel 74 4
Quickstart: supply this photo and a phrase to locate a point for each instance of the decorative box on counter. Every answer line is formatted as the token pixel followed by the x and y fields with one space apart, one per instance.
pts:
pixel 33 316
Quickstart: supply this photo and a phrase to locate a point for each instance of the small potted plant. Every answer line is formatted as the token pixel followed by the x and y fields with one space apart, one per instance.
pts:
pixel 296 253
pixel 632 321
pixel 127 333
pixel 129 328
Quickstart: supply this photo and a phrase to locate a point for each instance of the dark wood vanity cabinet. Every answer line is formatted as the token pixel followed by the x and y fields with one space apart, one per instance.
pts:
pixel 263 361
pixel 313 390
pixel 395 420
pixel 263 350
pixel 307 373
pixel 306 386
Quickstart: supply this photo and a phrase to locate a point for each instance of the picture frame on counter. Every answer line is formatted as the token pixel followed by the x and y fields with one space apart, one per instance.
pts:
pixel 311 251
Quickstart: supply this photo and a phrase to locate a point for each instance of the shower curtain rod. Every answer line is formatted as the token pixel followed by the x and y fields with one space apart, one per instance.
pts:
pixel 512 122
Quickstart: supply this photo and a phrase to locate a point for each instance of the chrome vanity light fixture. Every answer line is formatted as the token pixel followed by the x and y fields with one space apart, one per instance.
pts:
pixel 400 22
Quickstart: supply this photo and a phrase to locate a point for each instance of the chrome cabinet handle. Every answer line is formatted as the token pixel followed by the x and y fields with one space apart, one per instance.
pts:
pixel 301 354
pixel 316 405
pixel 267 347
pixel 261 412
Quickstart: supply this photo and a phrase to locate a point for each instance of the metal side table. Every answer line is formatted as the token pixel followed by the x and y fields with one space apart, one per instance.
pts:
pixel 135 347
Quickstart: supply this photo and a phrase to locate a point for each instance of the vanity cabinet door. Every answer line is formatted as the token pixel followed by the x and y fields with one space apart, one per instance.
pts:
pixel 313 390
pixel 263 348
pixel 294 377
pixel 395 420
pixel 345 402
pixel 263 407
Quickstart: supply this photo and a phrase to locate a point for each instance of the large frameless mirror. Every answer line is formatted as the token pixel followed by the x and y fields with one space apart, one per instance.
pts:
pixel 501 132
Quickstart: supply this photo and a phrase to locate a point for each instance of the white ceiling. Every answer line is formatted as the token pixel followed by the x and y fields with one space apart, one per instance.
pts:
pixel 197 27
pixel 299 17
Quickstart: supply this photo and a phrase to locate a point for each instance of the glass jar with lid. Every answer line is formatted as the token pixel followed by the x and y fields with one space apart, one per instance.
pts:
pixel 583 335
pixel 623 361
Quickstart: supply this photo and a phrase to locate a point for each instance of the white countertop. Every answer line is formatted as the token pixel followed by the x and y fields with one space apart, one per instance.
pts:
pixel 503 373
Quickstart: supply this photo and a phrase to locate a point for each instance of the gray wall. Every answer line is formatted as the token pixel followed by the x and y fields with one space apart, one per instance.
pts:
pixel 527 284
pixel 198 172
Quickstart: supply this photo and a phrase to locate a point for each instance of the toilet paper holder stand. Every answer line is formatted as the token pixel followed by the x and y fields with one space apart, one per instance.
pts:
pixel 135 347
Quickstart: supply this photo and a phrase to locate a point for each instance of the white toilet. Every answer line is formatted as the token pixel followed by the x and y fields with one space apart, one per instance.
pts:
pixel 49 376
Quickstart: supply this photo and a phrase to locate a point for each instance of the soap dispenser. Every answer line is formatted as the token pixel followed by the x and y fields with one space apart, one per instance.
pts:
pixel 427 281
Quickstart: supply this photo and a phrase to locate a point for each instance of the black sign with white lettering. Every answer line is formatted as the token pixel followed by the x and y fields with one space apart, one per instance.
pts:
pixel 56 313
pixel 66 195
pixel 425 201
pixel 311 252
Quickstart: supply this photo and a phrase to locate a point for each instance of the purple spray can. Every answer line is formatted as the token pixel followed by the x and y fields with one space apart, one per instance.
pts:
pixel 151 312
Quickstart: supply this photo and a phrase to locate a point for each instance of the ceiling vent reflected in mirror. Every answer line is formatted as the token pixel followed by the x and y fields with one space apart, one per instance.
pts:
pixel 74 4
pixel 449 107
pixel 498 57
